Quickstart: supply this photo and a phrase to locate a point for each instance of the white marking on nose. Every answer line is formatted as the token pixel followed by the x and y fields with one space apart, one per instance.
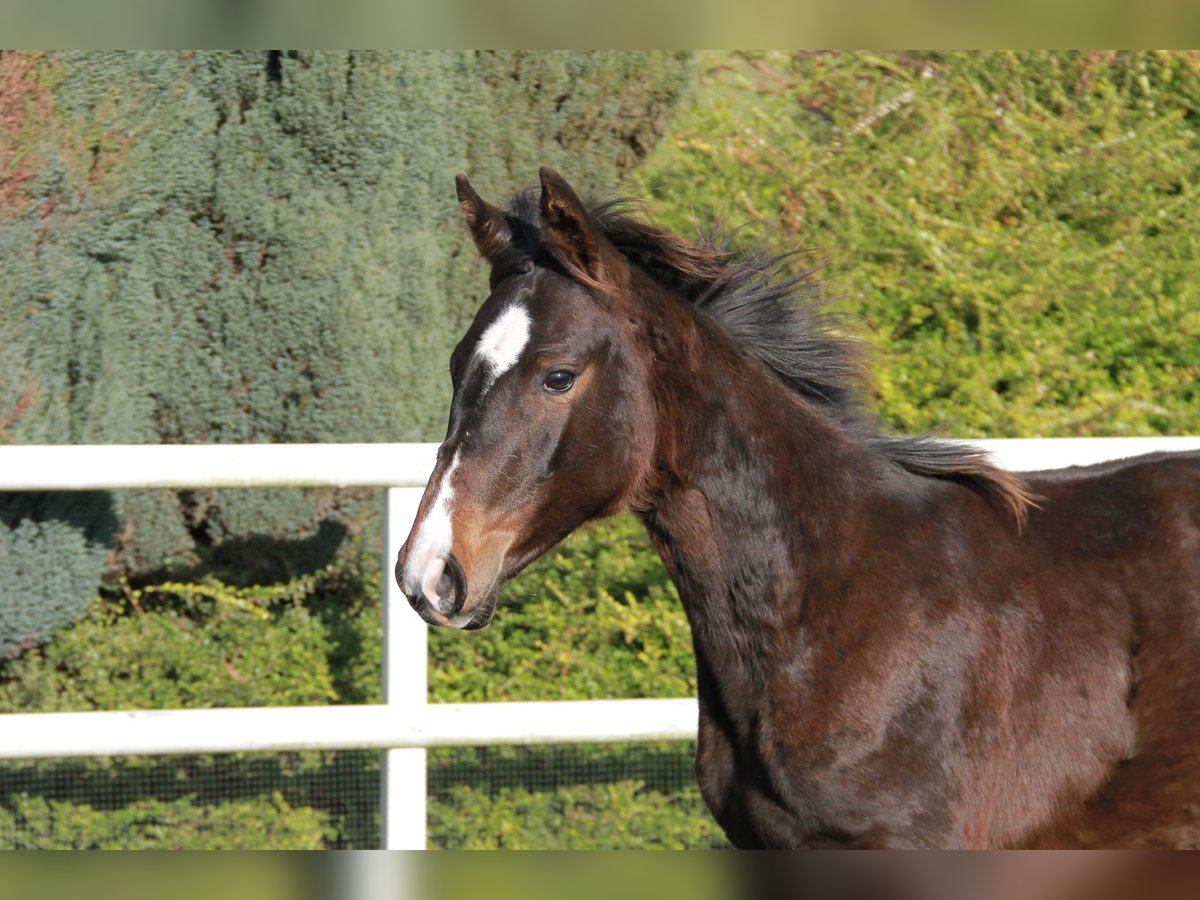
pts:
pixel 434 540
pixel 502 342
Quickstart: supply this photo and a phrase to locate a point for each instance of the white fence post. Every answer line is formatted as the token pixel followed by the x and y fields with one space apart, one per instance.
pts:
pixel 405 684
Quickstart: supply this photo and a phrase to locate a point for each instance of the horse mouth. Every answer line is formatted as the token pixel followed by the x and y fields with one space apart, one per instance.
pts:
pixel 481 615
pixel 478 616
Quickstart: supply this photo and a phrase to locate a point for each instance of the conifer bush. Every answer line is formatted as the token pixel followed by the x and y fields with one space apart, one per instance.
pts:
pixel 53 551
pixel 211 247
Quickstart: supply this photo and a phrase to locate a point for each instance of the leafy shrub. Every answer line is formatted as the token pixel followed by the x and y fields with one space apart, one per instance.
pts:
pixel 53 551
pixel 313 640
pixel 195 652
pixel 149 824
pixel 1016 229
pixel 580 799
pixel 246 246
pixel 598 618
pixel 243 800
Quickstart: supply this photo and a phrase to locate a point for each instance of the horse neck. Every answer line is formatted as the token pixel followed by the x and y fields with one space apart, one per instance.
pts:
pixel 756 488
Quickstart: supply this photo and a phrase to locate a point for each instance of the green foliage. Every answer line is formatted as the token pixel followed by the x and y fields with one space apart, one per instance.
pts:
pixel 1017 229
pixel 171 659
pixel 190 646
pixel 313 640
pixel 247 246
pixel 619 797
pixel 151 824
pixel 614 816
pixel 239 800
pixel 597 617
pixel 53 550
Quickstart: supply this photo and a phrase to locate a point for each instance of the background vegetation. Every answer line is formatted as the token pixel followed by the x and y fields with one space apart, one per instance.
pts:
pixel 258 246
pixel 1015 231
pixel 1012 232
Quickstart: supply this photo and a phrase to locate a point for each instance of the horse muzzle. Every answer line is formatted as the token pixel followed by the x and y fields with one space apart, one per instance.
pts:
pixel 439 593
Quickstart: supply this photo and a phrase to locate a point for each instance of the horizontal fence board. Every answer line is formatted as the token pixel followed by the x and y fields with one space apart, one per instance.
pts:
pixel 72 734
pixel 92 467
pixel 87 467
pixel 1030 454
pixel 412 724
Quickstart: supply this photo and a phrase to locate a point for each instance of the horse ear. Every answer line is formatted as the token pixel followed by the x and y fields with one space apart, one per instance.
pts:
pixel 488 226
pixel 567 230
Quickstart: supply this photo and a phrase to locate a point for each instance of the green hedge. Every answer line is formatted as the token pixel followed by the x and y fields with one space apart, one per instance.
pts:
pixel 53 552
pixel 578 798
pixel 313 640
pixel 149 824
pixel 1015 231
pixel 597 618
pixel 208 247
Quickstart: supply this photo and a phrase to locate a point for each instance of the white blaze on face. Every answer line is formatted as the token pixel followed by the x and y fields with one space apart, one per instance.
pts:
pixel 499 348
pixel 435 537
pixel 501 344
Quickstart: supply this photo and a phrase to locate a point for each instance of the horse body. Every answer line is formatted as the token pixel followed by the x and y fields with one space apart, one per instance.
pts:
pixel 881 659
pixel 894 646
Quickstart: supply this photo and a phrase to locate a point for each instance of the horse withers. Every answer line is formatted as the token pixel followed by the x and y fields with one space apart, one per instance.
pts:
pixel 897 644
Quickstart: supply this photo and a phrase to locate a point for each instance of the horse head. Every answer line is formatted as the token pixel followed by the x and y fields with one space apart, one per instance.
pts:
pixel 550 422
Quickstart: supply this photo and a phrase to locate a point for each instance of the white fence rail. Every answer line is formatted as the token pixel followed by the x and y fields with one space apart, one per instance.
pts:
pixel 405 724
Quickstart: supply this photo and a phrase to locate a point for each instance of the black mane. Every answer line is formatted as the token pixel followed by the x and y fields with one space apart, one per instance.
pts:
pixel 783 319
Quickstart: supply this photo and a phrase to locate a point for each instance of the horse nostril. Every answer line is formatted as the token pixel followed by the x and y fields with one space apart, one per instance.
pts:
pixel 444 585
pixel 452 585
pixel 444 590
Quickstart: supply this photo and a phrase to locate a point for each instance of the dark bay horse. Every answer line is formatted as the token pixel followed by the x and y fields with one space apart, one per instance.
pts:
pixel 897 645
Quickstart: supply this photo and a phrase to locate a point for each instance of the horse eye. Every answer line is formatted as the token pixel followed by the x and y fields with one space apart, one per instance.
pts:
pixel 559 380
